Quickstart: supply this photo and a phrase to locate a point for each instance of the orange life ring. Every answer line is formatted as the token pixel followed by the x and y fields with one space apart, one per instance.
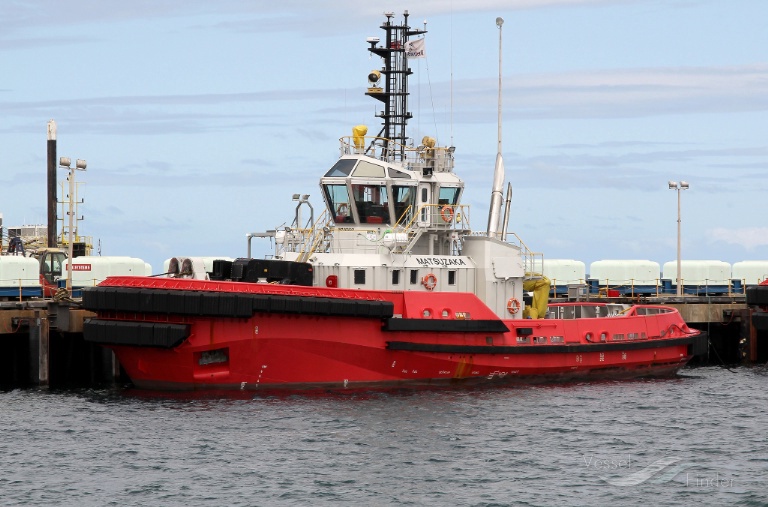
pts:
pixel 429 281
pixel 513 306
pixel 446 213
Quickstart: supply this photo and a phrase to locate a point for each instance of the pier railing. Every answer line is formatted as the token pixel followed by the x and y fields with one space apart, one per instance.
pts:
pixel 659 287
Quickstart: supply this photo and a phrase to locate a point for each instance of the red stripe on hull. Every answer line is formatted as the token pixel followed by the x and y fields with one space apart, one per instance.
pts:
pixel 284 351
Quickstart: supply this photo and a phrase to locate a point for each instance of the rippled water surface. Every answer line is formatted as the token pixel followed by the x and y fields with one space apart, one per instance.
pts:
pixel 696 439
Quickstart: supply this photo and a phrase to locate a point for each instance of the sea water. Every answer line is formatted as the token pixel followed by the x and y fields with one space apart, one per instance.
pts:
pixel 697 439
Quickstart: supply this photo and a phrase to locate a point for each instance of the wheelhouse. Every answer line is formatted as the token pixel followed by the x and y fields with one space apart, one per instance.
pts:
pixel 362 191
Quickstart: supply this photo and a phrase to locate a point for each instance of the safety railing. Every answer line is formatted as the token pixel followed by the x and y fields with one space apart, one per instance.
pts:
pixel 663 287
pixel 13 288
pixel 416 158
pixel 441 216
pixel 315 236
pixel 531 259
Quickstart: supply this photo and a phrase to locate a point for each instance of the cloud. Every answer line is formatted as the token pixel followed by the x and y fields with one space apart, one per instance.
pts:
pixel 292 13
pixel 623 93
pixel 608 94
pixel 747 237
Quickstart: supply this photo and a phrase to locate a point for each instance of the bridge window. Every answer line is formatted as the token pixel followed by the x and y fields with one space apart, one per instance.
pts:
pixel 372 203
pixel 404 197
pixel 397 174
pixel 448 195
pixel 342 168
pixel 337 197
pixel 368 170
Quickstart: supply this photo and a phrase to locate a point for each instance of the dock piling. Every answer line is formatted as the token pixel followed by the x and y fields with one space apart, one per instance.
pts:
pixel 39 347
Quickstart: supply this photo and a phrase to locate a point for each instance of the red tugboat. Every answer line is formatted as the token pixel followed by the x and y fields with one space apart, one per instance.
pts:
pixel 388 287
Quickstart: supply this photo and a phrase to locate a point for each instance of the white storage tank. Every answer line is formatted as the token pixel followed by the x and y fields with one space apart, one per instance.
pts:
pixel 88 271
pixel 562 271
pixel 698 272
pixel 625 272
pixel 17 271
pixel 750 272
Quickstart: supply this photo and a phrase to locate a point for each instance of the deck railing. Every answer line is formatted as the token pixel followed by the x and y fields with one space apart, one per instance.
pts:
pixel 416 158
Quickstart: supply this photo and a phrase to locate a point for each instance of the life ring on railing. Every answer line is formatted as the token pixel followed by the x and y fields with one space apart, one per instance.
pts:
pixel 446 213
pixel 513 305
pixel 429 281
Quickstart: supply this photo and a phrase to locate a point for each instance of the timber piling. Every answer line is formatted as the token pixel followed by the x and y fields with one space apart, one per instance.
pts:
pixel 43 346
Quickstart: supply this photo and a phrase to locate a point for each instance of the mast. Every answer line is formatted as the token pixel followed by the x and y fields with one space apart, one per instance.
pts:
pixel 51 194
pixel 494 211
pixel 394 94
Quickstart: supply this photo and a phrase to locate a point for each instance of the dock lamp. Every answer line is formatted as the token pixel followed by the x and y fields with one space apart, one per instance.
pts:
pixel 66 163
pixel 683 185
pixel 303 199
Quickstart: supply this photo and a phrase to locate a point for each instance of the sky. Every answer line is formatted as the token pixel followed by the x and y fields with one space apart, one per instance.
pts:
pixel 199 120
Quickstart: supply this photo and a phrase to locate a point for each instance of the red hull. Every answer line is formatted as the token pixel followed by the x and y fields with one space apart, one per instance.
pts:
pixel 302 351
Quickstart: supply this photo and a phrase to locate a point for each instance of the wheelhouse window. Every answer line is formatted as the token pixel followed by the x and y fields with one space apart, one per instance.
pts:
pixel 366 169
pixel 372 203
pixel 404 198
pixel 337 197
pixel 342 168
pixel 448 195
pixel 397 174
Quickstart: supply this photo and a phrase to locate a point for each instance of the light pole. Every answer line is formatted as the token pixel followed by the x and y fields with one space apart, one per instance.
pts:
pixel 65 163
pixel 683 185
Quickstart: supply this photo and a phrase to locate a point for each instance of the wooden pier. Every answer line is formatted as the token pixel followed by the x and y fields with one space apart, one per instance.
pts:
pixel 43 346
pixel 43 340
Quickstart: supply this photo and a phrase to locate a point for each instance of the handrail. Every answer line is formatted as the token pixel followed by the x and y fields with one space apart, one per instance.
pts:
pixel 440 158
pixel 314 237
pixel 437 216
pixel 529 258
pixel 404 216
